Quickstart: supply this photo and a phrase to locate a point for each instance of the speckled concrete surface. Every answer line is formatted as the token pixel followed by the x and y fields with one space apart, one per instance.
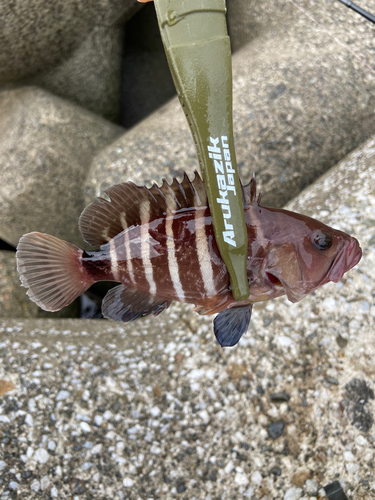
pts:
pixel 37 34
pixel 249 19
pixel 46 145
pixel 90 77
pixel 156 409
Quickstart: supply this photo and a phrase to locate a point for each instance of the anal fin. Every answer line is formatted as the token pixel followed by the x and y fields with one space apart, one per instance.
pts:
pixel 231 324
pixel 126 304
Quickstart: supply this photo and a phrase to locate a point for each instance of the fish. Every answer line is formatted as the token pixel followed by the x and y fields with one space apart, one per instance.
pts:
pixel 159 243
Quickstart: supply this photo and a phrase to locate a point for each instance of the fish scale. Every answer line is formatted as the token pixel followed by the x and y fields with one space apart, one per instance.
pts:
pixel 193 270
pixel 159 243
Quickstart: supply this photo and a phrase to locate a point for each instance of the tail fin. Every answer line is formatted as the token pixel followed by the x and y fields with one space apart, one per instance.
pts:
pixel 52 271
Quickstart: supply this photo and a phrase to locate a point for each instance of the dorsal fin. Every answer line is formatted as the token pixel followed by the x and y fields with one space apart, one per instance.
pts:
pixel 250 192
pixel 102 220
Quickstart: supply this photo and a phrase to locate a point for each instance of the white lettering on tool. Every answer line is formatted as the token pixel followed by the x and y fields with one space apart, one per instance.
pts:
pixel 218 150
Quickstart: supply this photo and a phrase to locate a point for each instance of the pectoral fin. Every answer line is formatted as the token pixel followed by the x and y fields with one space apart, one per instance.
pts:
pixel 125 304
pixel 231 324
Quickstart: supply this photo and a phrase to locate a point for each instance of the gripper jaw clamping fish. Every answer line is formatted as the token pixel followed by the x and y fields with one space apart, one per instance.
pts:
pixel 194 34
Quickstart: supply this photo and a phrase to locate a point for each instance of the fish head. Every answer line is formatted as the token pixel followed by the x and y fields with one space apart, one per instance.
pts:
pixel 304 254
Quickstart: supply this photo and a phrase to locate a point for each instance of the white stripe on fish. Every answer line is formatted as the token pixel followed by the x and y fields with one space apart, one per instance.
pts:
pixel 145 246
pixel 172 260
pixel 204 256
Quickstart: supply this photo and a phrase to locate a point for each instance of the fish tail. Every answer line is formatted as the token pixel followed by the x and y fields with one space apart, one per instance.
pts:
pixel 52 270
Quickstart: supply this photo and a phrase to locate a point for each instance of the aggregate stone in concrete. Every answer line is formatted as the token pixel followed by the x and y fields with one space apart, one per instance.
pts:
pixel 37 34
pixel 156 409
pixel 90 77
pixel 304 97
pixel 46 145
pixel 14 303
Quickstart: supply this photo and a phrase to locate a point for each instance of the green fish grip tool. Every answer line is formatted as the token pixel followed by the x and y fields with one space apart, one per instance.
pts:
pixel 195 38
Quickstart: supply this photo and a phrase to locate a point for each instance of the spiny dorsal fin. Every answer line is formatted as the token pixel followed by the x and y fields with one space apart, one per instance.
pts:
pixel 250 192
pixel 102 220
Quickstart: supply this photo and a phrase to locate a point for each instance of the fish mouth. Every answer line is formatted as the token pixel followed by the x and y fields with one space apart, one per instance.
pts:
pixel 348 258
pixel 354 253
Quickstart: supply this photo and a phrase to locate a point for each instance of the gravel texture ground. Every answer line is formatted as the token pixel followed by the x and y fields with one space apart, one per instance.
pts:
pixel 156 409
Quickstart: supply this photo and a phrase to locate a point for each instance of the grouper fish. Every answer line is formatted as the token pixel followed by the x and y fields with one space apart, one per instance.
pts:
pixel 159 244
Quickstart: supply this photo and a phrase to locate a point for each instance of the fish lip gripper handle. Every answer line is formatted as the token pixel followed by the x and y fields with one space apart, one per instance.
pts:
pixel 194 34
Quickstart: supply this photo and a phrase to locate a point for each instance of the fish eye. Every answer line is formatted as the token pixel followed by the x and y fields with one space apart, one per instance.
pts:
pixel 321 239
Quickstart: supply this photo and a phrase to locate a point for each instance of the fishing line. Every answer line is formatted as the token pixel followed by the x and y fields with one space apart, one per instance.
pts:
pixel 307 14
pixel 359 10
